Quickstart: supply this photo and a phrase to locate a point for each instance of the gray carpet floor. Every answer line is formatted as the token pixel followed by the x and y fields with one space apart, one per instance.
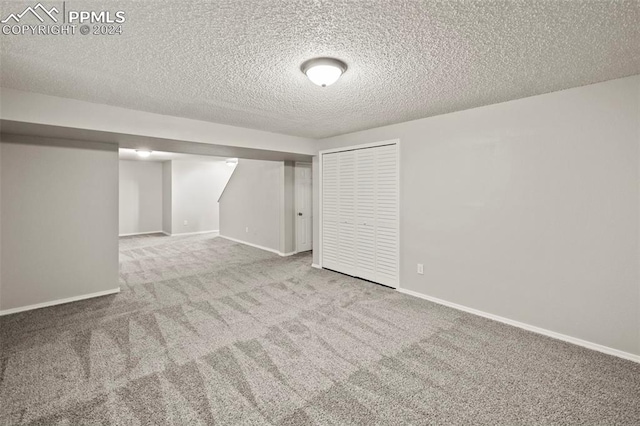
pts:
pixel 208 331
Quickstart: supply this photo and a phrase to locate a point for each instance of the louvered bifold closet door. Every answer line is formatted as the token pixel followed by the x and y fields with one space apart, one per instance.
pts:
pixel 387 220
pixel 330 211
pixel 347 212
pixel 366 213
pixel 360 213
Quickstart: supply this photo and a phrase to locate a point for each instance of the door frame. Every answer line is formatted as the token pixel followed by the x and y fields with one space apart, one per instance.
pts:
pixel 395 142
pixel 295 202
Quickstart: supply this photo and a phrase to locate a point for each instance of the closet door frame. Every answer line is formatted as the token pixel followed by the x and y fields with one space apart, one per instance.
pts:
pixel 395 142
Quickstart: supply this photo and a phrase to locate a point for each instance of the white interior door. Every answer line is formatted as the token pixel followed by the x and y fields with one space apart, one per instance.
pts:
pixel 304 220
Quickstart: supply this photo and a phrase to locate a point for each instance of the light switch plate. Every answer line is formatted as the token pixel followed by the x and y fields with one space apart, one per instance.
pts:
pixel 420 268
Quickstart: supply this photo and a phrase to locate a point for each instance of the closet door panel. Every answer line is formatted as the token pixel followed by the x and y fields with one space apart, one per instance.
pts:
pixel 347 213
pixel 330 211
pixel 366 213
pixel 387 219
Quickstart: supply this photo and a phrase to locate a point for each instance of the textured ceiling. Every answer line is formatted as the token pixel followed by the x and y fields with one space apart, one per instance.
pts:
pixel 237 62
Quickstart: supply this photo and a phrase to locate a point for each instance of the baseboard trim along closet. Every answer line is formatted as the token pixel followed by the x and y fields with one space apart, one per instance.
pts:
pixel 59 302
pixel 141 233
pixel 279 253
pixel 315 265
pixel 584 343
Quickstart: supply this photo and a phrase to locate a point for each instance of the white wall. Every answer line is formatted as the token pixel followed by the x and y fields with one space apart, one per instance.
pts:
pixel 528 209
pixel 59 202
pixel 195 188
pixel 253 200
pixel 140 197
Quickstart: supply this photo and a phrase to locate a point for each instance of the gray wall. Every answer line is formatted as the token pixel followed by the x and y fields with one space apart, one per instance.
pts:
pixel 528 209
pixel 140 196
pixel 166 197
pixel 253 199
pixel 261 196
pixel 59 202
pixel 196 187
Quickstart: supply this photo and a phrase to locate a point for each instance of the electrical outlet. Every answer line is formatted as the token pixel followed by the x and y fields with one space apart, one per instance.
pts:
pixel 246 229
pixel 186 222
pixel 420 268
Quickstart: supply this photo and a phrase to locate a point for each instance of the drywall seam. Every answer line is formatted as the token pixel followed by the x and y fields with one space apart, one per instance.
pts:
pixel 584 343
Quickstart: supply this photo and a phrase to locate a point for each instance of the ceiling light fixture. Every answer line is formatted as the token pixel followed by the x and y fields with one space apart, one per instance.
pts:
pixel 143 153
pixel 232 162
pixel 323 71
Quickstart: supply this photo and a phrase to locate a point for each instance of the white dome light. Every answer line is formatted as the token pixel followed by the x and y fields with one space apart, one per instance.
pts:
pixel 323 71
pixel 143 153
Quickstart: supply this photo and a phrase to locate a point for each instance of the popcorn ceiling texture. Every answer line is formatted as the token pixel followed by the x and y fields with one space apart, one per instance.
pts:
pixel 237 62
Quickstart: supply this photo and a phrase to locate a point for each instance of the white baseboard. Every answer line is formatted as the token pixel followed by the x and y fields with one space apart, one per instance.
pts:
pixel 279 253
pixel 315 265
pixel 291 253
pixel 59 302
pixel 545 332
pixel 141 233
pixel 184 234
